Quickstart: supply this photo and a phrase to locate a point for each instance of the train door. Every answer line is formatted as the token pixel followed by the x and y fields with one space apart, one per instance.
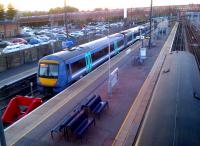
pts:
pixel 68 73
pixel 116 48
pixel 88 61
pixel 133 37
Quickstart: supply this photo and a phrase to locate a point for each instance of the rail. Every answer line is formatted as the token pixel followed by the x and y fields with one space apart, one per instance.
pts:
pixel 193 41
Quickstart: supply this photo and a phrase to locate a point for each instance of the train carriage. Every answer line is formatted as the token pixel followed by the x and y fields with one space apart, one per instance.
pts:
pixel 59 70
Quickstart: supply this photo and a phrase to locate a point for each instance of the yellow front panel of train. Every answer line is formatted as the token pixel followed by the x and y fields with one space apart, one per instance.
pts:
pixel 48 81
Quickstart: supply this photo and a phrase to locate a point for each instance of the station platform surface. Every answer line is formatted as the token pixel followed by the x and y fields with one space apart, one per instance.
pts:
pixel 14 74
pixel 172 117
pixel 131 78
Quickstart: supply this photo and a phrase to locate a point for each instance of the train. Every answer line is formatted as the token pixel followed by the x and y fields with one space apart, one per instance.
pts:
pixel 59 70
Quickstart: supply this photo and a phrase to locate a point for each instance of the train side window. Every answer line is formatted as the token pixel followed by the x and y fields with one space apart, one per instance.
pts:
pixel 120 43
pixel 67 69
pixel 78 65
pixel 136 34
pixel 129 38
pixel 100 54
pixel 112 47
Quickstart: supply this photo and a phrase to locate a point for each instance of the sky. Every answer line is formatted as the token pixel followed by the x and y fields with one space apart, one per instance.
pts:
pixel 45 5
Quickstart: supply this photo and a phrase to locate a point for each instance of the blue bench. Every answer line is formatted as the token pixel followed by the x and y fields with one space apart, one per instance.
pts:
pixel 96 105
pixel 80 124
pixel 60 127
pixel 85 104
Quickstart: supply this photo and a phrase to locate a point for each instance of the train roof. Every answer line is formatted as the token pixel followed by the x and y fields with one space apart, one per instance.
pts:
pixel 172 117
pixel 78 50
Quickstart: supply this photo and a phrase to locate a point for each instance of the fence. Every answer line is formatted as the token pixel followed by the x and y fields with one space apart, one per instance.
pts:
pixel 18 58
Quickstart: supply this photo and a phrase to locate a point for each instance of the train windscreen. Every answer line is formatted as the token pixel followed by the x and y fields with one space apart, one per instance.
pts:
pixel 48 70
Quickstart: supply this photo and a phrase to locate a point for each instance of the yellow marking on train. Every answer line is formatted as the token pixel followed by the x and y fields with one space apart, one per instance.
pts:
pixel 48 82
pixel 49 61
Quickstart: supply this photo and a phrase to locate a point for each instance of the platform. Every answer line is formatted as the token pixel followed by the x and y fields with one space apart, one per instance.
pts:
pixel 35 128
pixel 131 124
pixel 172 117
pixel 13 75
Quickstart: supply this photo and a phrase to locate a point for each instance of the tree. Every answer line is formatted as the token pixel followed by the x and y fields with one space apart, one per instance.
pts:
pixel 98 9
pixel 27 13
pixel 58 10
pixel 2 12
pixel 11 12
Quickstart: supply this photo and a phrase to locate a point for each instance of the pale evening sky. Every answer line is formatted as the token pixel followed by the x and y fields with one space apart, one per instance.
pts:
pixel 45 5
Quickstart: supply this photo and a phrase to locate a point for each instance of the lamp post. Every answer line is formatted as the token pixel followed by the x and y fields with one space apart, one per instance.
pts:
pixel 65 15
pixel 150 19
pixel 2 136
pixel 109 78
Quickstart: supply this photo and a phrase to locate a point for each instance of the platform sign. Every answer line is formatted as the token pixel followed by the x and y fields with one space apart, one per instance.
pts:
pixel 128 51
pixel 143 53
pixel 140 37
pixel 114 77
pixel 147 37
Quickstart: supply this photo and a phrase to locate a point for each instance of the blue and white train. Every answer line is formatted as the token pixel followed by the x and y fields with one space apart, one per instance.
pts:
pixel 59 70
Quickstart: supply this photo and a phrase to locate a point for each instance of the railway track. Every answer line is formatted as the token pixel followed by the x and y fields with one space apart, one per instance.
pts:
pixel 193 39
pixel 25 87
pixel 179 44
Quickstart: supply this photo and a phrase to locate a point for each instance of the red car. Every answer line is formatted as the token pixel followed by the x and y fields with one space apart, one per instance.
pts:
pixel 19 41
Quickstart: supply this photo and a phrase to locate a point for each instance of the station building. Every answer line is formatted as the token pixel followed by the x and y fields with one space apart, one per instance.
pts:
pixel 8 28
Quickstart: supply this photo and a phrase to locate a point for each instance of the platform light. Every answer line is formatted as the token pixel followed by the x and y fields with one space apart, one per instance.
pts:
pixel 150 19
pixel 147 37
pixel 65 14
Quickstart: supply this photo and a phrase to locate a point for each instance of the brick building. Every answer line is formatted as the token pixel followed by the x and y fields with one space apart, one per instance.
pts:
pixel 8 29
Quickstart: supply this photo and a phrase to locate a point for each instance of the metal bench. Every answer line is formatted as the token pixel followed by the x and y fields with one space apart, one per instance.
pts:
pixel 97 105
pixel 80 124
pixel 60 127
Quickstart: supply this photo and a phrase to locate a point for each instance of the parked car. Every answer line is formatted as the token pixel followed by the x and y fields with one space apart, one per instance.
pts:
pixel 44 38
pixel 61 37
pixel 19 41
pixel 4 44
pixel 34 41
pixel 15 47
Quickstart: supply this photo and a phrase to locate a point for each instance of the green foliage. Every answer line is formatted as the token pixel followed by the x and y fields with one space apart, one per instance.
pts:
pixel 61 10
pixel 11 12
pixel 34 13
pixel 28 13
pixel 2 12
pixel 80 22
pixel 98 9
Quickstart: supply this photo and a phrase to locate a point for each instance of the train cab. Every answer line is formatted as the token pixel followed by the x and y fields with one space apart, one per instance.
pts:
pixel 52 74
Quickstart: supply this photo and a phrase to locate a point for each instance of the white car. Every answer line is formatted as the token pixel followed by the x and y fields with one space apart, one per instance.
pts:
pixel 44 38
pixel 14 48
pixel 77 33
